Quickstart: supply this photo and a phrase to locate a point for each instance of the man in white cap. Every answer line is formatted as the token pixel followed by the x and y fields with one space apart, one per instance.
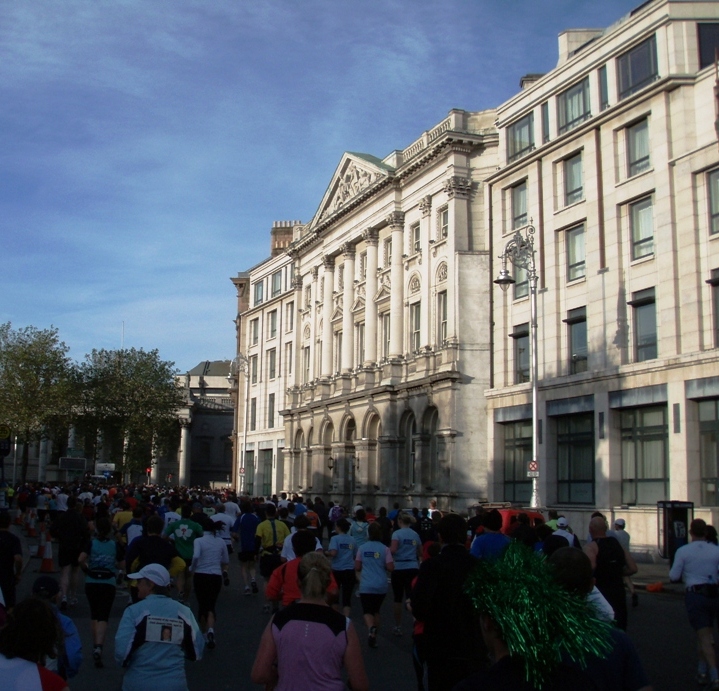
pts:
pixel 156 635
pixel 563 531
pixel 623 536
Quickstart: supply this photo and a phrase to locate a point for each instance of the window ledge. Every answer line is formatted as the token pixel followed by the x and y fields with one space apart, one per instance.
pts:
pixel 577 281
pixel 642 260
pixel 626 180
pixel 569 206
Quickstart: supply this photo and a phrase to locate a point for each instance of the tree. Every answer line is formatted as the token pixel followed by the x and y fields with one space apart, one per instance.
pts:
pixel 131 397
pixel 38 383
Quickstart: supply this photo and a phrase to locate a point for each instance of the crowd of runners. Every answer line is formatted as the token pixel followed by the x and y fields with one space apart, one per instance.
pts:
pixel 494 607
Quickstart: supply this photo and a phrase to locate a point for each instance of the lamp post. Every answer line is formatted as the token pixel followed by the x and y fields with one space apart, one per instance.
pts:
pixel 519 251
pixel 242 364
pixel 354 460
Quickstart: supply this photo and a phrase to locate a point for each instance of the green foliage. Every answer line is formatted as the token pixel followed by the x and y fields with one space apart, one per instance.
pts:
pixel 38 382
pixel 132 397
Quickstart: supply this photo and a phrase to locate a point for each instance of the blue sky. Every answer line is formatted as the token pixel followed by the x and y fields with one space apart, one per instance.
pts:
pixel 147 146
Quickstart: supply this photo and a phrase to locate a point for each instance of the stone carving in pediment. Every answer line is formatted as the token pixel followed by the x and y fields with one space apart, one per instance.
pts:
pixel 353 180
pixel 338 307
pixel 414 284
pixel 359 298
pixel 384 288
pixel 306 333
pixel 442 273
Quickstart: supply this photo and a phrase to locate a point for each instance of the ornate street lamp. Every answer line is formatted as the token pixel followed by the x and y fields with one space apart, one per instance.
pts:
pixel 519 251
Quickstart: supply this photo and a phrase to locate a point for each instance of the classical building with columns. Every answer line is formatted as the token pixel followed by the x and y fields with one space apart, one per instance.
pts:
pixel 204 456
pixel 380 331
pixel 611 162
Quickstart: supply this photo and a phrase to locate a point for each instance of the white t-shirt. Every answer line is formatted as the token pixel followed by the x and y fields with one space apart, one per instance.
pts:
pixel 209 553
pixel 696 563
pixel 288 551
pixel 226 523
pixel 232 509
pixel 171 517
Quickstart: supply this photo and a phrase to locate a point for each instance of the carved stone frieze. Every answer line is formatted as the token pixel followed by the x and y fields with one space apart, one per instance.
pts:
pixel 328 262
pixel 395 219
pixel 456 186
pixel 371 236
pixel 353 181
pixel 348 250
pixel 425 205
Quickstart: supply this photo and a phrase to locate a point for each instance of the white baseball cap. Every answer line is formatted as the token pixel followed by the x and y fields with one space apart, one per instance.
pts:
pixel 562 522
pixel 156 573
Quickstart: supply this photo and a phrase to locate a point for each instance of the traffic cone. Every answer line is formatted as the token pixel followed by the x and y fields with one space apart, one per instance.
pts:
pixel 47 565
pixel 31 532
pixel 18 517
pixel 41 544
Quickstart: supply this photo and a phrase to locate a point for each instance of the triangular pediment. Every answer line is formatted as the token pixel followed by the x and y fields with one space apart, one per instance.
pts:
pixel 358 304
pixel 384 289
pixel 355 174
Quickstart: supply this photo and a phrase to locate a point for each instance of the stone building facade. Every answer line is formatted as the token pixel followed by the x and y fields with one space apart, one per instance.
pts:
pixel 612 158
pixel 407 370
pixel 381 329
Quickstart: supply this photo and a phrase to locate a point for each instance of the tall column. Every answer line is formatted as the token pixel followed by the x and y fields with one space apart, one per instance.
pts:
pixel 43 453
pixel 371 237
pixel 184 452
pixel 396 310
pixel 348 340
pixel 329 277
pixel 425 333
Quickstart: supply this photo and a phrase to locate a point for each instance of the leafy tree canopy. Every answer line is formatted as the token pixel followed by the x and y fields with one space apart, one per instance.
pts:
pixel 38 384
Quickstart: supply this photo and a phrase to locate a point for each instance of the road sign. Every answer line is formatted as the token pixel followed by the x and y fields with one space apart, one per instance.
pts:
pixel 533 466
pixel 104 467
pixel 242 471
pixel 107 474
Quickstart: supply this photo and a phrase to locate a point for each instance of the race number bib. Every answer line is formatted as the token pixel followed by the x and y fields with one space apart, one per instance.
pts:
pixel 163 630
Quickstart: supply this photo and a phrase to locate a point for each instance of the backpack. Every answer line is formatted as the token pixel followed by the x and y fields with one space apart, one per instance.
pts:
pixel 335 513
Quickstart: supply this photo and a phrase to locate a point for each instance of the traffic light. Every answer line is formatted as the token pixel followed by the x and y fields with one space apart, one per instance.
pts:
pixel 148 470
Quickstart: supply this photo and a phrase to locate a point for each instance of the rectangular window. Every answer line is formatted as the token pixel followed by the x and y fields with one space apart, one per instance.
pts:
pixel 645 433
pixel 714 283
pixel 575 459
pixel 520 138
pixel 276 283
pixel 255 331
pixel 271 410
pixel 272 363
pixel 387 253
pixel 576 255
pixel 253 369
pixel 645 325
pixel 713 184
pixel 415 318
pixel 386 327
pixel 272 324
pixel 638 148
pixel 573 106
pixel 573 180
pixel 360 343
pixel 603 88
pixel 521 282
pixel 290 316
pixel 249 485
pixel 708 43
pixel 415 239
pixel 266 462
pixel 545 122
pixel 517 454
pixel 709 451
pixel 442 317
pixel 520 335
pixel 259 288
pixel 305 364
pixel 577 324
pixel 519 205
pixel 443 223
pixel 253 414
pixel 641 219
pixel 288 358
pixel 338 350
pixel 637 68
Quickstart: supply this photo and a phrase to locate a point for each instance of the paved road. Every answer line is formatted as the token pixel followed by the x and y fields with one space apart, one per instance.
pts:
pixel 658 627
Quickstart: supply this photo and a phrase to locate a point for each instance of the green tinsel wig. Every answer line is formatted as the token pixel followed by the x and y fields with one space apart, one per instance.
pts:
pixel 540 621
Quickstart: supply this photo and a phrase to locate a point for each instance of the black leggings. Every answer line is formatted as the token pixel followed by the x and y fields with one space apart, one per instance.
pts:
pixel 346 581
pixel 100 596
pixel 207 589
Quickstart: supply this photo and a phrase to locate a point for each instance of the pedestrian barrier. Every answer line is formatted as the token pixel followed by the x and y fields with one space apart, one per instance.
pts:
pixel 47 565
